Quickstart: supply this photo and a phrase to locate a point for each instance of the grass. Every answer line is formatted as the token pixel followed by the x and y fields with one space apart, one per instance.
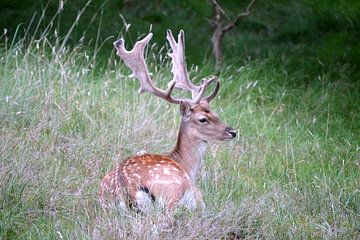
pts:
pixel 66 120
pixel 292 173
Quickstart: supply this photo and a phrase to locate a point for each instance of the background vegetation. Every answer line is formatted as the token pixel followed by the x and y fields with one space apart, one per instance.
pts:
pixel 69 114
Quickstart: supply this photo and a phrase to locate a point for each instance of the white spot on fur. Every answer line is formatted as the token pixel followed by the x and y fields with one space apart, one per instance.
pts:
pixel 167 171
pixel 176 180
pixel 166 181
pixel 137 175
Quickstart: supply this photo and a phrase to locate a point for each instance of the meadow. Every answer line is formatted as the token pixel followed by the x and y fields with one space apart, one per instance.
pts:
pixel 67 118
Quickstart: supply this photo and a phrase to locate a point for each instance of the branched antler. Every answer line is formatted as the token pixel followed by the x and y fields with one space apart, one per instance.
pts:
pixel 221 27
pixel 134 59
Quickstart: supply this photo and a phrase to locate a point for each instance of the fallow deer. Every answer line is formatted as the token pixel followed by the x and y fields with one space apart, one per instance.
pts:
pixel 168 178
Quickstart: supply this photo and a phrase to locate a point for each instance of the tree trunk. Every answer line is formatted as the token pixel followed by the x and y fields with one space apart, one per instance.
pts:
pixel 216 42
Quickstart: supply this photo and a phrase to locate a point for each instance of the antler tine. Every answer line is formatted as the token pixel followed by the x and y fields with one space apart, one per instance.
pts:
pixel 215 92
pixel 179 70
pixel 134 60
pixel 205 83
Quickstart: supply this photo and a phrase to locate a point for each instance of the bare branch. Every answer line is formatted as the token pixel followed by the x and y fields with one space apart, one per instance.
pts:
pixel 219 9
pixel 221 27
pixel 239 17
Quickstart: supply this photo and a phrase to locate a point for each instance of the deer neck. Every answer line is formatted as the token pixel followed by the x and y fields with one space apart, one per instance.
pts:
pixel 189 151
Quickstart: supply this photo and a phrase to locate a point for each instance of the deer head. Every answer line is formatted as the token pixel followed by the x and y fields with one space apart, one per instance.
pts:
pixel 202 123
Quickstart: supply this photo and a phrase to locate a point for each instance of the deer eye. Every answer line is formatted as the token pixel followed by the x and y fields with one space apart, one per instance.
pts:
pixel 203 120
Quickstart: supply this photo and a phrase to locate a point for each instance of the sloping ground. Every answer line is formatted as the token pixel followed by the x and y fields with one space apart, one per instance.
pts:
pixel 293 172
pixel 66 119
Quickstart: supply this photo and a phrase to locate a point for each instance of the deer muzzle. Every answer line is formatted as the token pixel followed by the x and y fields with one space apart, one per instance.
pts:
pixel 230 132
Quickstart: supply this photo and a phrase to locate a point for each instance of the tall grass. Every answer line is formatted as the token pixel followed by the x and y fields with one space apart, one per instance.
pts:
pixel 293 172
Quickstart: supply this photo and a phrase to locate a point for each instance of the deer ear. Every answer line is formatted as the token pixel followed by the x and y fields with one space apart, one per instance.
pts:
pixel 185 110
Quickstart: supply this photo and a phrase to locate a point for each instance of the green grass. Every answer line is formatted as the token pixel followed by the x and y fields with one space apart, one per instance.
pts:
pixel 67 117
pixel 293 172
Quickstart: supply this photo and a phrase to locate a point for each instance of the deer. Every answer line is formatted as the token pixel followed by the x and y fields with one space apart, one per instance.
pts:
pixel 170 179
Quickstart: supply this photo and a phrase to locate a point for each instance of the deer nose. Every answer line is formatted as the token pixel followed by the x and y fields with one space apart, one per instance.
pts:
pixel 231 131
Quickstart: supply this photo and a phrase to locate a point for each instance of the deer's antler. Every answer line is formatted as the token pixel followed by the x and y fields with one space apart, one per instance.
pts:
pixel 134 59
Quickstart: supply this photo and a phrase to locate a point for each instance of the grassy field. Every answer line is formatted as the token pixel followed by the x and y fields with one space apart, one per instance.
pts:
pixel 292 173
